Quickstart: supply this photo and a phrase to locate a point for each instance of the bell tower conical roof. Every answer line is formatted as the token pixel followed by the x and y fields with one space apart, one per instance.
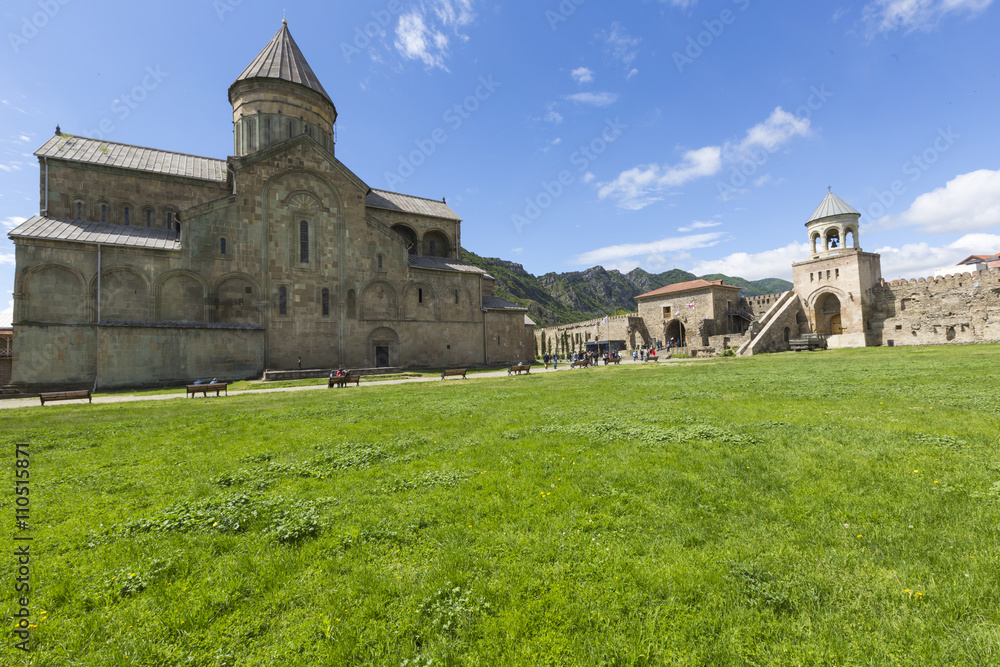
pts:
pixel 832 205
pixel 282 59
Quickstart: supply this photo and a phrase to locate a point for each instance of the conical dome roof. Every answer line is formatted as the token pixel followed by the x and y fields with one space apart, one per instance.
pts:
pixel 832 205
pixel 282 59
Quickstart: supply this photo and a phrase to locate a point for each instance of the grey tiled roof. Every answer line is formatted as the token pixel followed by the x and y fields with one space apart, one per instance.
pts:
pixel 124 156
pixel 95 233
pixel 496 303
pixel 393 201
pixel 832 205
pixel 442 264
pixel 282 59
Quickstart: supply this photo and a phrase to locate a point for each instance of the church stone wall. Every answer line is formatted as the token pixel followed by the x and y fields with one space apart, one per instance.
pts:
pixel 953 309
pixel 94 184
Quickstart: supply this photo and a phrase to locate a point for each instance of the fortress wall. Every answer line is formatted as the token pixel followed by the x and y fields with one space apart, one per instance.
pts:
pixel 953 309
pixel 760 304
pixel 629 328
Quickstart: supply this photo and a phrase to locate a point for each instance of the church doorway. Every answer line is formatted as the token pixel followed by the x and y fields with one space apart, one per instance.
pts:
pixel 383 348
pixel 381 356
pixel 674 330
pixel 828 316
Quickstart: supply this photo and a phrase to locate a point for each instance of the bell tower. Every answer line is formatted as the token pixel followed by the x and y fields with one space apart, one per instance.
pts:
pixel 278 97
pixel 835 284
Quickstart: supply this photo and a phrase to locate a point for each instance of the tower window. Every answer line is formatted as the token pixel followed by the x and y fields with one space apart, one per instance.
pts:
pixel 222 246
pixel 79 210
pixel 282 300
pixel 149 217
pixel 126 214
pixel 420 296
pixel 304 242
pixel 104 212
pixel 326 302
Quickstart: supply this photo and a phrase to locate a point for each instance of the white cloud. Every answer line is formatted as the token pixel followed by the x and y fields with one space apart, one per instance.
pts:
pixel 6 259
pixel 756 266
pixel 623 47
pixel 683 4
pixel 631 74
pixel 627 256
pixel 12 222
pixel 552 144
pixel 588 177
pixel 698 224
pixel 582 75
pixel 778 129
pixel 517 251
pixel 421 32
pixel 968 202
pixel 594 99
pixel 920 260
pixel 641 186
pixel 884 16
pixel 13 166
pixel 553 117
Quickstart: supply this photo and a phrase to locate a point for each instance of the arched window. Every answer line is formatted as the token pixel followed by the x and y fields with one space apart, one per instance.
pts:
pixel 149 217
pixel 104 212
pixel 222 246
pixel 79 210
pixel 282 300
pixel 380 262
pixel 420 295
pixel 250 129
pixel 304 242
pixel 326 302
pixel 125 214
pixel 170 219
pixel 178 227
pixel 430 249
pixel 267 126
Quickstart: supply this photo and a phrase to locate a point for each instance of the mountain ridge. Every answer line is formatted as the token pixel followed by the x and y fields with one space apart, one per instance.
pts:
pixel 563 298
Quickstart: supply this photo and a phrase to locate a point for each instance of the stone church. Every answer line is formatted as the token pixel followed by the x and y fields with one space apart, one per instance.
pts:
pixel 149 267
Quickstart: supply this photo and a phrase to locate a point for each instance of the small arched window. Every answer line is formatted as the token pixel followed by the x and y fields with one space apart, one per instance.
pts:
pixel 178 228
pixel 125 214
pixel 282 300
pixel 326 302
pixel 104 212
pixel 420 295
pixel 304 242
pixel 149 217
pixel 222 246
pixel 79 210
pixel 380 262
pixel 170 219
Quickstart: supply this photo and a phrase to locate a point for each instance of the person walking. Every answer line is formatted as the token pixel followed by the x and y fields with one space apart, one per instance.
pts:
pixel 555 361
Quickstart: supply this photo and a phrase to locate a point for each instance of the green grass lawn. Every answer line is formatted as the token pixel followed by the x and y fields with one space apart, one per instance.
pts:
pixel 828 508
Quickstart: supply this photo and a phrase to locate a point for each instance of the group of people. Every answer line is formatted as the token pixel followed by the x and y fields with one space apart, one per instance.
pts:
pixel 340 372
pixel 581 356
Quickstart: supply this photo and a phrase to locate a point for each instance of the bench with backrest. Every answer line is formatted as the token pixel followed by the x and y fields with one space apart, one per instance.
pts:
pixel 519 368
pixel 616 360
pixel 583 363
pixel 203 389
pixel 65 396
pixel 454 372
pixel 344 380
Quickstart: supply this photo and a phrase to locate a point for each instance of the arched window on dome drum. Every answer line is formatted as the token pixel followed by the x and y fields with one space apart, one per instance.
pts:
pixel 304 242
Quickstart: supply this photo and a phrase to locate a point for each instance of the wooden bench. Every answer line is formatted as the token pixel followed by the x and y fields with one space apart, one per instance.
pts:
pixel 520 368
pixel 65 396
pixel 455 372
pixel 583 363
pixel 344 380
pixel 193 389
pixel 616 360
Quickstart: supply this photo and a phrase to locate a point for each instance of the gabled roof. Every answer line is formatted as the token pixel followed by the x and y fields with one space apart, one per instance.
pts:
pixel 978 259
pixel 686 287
pixel 124 156
pixel 442 264
pixel 394 201
pixel 832 205
pixel 496 303
pixel 95 233
pixel 282 59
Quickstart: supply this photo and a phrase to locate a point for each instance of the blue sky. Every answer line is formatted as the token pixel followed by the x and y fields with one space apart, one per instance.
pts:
pixel 694 134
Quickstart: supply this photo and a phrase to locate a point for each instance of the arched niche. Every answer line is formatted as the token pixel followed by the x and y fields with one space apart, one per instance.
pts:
pixel 55 294
pixel 124 295
pixel 828 318
pixel 378 302
pixel 237 299
pixel 436 244
pixel 411 237
pixel 181 298
pixel 383 348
